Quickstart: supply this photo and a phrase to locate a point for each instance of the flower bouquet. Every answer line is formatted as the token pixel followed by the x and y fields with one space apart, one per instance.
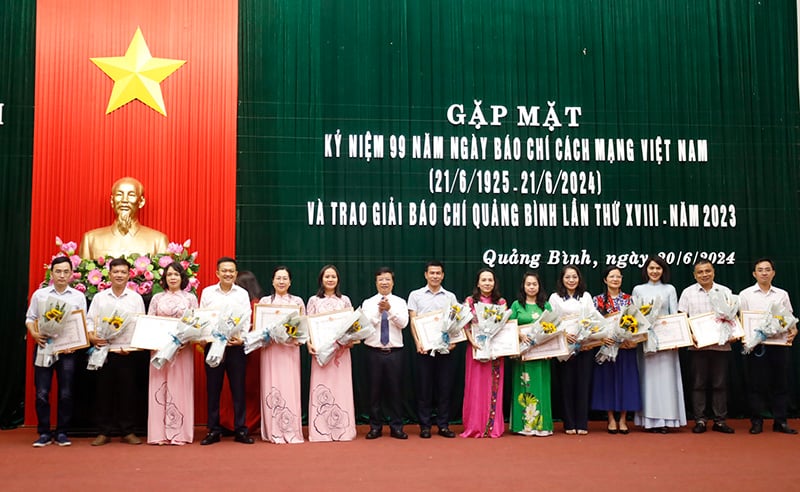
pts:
pixel 632 323
pixel 453 325
pixel 491 318
pixel 229 326
pixel 50 325
pixel 287 330
pixel 650 312
pixel 542 330
pixel 355 327
pixel 726 307
pixel 591 326
pixel 111 325
pixel 775 322
pixel 188 329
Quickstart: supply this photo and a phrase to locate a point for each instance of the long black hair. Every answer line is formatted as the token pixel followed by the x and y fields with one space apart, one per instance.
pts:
pixel 541 296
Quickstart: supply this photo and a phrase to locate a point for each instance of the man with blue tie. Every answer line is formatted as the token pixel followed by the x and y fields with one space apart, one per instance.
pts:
pixel 389 315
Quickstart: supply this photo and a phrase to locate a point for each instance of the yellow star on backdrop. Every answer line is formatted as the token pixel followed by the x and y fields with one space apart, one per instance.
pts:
pixel 137 75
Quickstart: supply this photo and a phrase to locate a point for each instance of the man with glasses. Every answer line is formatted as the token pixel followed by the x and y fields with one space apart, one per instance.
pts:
pixel 768 365
pixel 64 367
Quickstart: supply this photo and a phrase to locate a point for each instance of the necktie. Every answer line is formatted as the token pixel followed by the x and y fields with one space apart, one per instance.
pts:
pixel 385 328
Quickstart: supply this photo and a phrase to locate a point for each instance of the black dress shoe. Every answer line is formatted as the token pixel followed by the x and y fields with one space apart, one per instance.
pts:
pixel 211 438
pixel 700 427
pixel 756 427
pixel 783 427
pixel 425 433
pixel 373 434
pixel 243 438
pixel 722 427
pixel 446 432
pixel 398 434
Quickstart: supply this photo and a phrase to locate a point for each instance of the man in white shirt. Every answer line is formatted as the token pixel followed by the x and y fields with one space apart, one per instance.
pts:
pixel 389 315
pixel 226 294
pixel 116 380
pixel 435 374
pixel 64 367
pixel 768 365
pixel 709 364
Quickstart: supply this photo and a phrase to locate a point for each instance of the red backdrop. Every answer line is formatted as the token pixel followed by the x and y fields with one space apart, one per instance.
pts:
pixel 186 160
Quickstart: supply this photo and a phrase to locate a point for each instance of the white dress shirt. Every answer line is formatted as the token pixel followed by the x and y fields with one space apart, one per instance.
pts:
pixel 398 319
pixel 105 300
pixel 213 297
pixel 755 299
pixel 72 297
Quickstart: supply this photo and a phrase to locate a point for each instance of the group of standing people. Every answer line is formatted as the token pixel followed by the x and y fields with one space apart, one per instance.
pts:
pixel 647 384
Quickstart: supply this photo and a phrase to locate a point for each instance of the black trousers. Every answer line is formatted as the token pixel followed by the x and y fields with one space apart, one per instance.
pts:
pixel 43 380
pixel 385 376
pixel 434 383
pixel 576 382
pixel 768 386
pixel 116 395
pixel 234 364
pixel 710 372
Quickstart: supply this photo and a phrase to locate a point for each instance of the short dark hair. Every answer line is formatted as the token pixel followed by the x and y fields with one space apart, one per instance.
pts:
pixel 227 259
pixel 380 271
pixel 279 268
pixel 762 260
pixel 321 290
pixel 702 261
pixel 119 262
pixel 434 263
pixel 561 290
pixel 665 276
pixel 60 259
pixel 178 268
pixel 275 271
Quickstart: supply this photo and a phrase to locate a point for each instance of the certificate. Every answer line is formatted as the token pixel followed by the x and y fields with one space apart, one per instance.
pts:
pixel 122 342
pixel 73 333
pixel 672 332
pixel 706 329
pixel 208 319
pixel 504 343
pixel 554 347
pixel 570 324
pixel 428 328
pixel 750 323
pixel 325 328
pixel 153 332
pixel 265 315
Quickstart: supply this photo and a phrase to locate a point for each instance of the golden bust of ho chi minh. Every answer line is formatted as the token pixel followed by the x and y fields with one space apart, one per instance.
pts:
pixel 126 235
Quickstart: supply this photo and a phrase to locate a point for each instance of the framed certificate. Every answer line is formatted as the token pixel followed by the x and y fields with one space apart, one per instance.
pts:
pixel 750 322
pixel 504 343
pixel 554 347
pixel 324 329
pixel 428 328
pixel 672 331
pixel 73 333
pixel 153 332
pixel 706 329
pixel 265 315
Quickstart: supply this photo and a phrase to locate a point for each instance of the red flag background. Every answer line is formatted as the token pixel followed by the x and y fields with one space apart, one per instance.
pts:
pixel 186 160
